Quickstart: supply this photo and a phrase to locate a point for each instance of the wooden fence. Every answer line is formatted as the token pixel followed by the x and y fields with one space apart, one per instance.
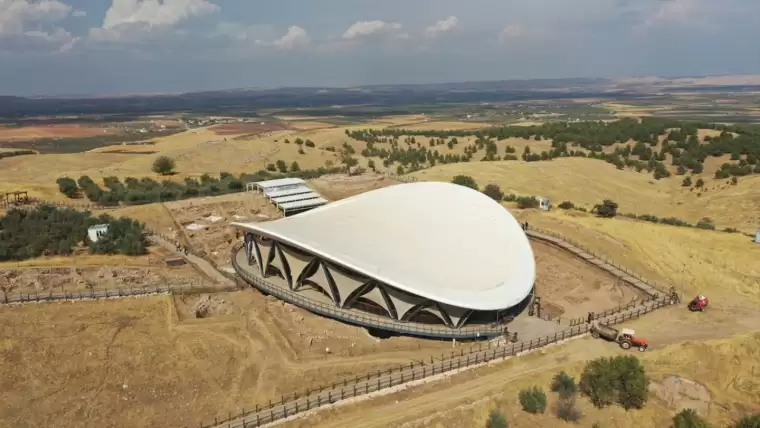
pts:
pixel 109 293
pixel 310 399
pixel 659 287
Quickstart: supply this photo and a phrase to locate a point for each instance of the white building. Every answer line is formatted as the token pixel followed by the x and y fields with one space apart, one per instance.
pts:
pixel 95 232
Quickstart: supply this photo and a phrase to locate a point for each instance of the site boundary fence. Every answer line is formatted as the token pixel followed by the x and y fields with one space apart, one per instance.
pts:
pixel 110 293
pixel 291 405
pixel 661 290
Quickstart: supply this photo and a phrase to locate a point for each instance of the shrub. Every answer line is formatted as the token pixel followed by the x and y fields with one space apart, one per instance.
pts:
pixel 309 143
pixel 566 205
pixel 510 197
pixel 295 167
pixel 752 421
pixel 734 180
pixel 163 165
pixel 686 181
pixel 493 191
pixel 533 400
pixel 688 418
pixel 67 186
pixel 271 167
pixel 706 224
pixel 607 209
pixel 567 410
pixel 496 420
pixel 620 380
pixel 564 385
pixel 699 183
pixel 466 181
pixel 526 202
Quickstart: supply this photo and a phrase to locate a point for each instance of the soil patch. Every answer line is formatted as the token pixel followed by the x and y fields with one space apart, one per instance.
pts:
pixel 681 393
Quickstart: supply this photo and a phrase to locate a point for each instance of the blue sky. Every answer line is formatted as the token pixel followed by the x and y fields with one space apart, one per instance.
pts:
pixel 137 46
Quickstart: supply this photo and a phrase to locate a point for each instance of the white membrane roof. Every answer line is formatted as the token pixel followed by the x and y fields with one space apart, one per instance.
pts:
pixel 290 181
pixel 302 204
pixel 441 241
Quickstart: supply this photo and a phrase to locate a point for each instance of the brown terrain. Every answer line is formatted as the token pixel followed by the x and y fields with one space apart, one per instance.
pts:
pixel 247 128
pixel 50 131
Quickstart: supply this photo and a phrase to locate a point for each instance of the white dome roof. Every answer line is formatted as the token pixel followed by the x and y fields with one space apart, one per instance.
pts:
pixel 441 241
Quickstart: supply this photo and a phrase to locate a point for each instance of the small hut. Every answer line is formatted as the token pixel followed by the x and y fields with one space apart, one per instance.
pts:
pixel 757 236
pixel 95 232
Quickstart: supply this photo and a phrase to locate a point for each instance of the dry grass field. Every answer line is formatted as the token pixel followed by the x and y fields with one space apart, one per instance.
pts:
pixel 587 182
pixel 151 362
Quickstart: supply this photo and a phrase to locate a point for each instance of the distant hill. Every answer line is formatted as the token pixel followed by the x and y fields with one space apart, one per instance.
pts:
pixel 237 100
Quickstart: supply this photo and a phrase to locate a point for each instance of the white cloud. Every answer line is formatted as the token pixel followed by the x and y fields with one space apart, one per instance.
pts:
pixel 369 28
pixel 133 19
pixel 511 32
pixel 441 27
pixel 295 38
pixel 78 13
pixel 155 13
pixel 17 15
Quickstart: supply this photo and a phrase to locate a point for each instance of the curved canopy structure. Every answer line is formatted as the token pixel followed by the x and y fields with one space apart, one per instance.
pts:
pixel 442 242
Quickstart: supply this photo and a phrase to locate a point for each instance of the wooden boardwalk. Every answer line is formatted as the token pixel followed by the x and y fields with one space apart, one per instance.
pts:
pixel 638 283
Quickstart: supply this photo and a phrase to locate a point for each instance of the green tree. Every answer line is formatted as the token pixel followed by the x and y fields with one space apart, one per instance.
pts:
pixel 163 165
pixel 466 181
pixel 271 167
pixel 493 191
pixel 68 187
pixel 686 181
pixel 688 418
pixel 533 400
pixel 699 183
pixel 527 202
pixel 399 170
pixel 295 167
pixel 371 164
pixel 282 166
pixel 496 419
pixel 620 380
pixel 564 385
pixel 734 180
pixel 309 143
pixel 566 205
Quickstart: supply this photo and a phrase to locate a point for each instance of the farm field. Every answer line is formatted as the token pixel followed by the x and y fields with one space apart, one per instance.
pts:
pixel 50 131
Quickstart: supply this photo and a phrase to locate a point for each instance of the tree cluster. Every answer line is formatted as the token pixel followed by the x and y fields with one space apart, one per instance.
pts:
pixel 48 230
pixel 618 380
pixel 678 141
pixel 134 191
pixel 12 153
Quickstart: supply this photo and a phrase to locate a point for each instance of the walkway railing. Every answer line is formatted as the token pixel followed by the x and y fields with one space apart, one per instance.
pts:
pixel 368 320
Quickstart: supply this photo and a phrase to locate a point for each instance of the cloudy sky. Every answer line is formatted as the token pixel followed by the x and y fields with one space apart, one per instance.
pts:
pixel 130 46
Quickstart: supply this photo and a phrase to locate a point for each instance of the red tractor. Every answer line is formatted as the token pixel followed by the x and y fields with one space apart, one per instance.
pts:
pixel 698 304
pixel 625 337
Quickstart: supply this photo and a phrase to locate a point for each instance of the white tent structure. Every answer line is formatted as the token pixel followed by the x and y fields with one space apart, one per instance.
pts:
pixel 435 248
pixel 291 195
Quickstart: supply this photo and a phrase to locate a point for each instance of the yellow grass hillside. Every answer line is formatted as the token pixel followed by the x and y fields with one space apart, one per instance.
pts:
pixel 587 182
pixel 723 367
pixel 721 265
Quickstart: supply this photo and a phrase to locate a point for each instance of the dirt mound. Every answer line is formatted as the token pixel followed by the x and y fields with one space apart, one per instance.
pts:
pixel 681 393
pixel 211 305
